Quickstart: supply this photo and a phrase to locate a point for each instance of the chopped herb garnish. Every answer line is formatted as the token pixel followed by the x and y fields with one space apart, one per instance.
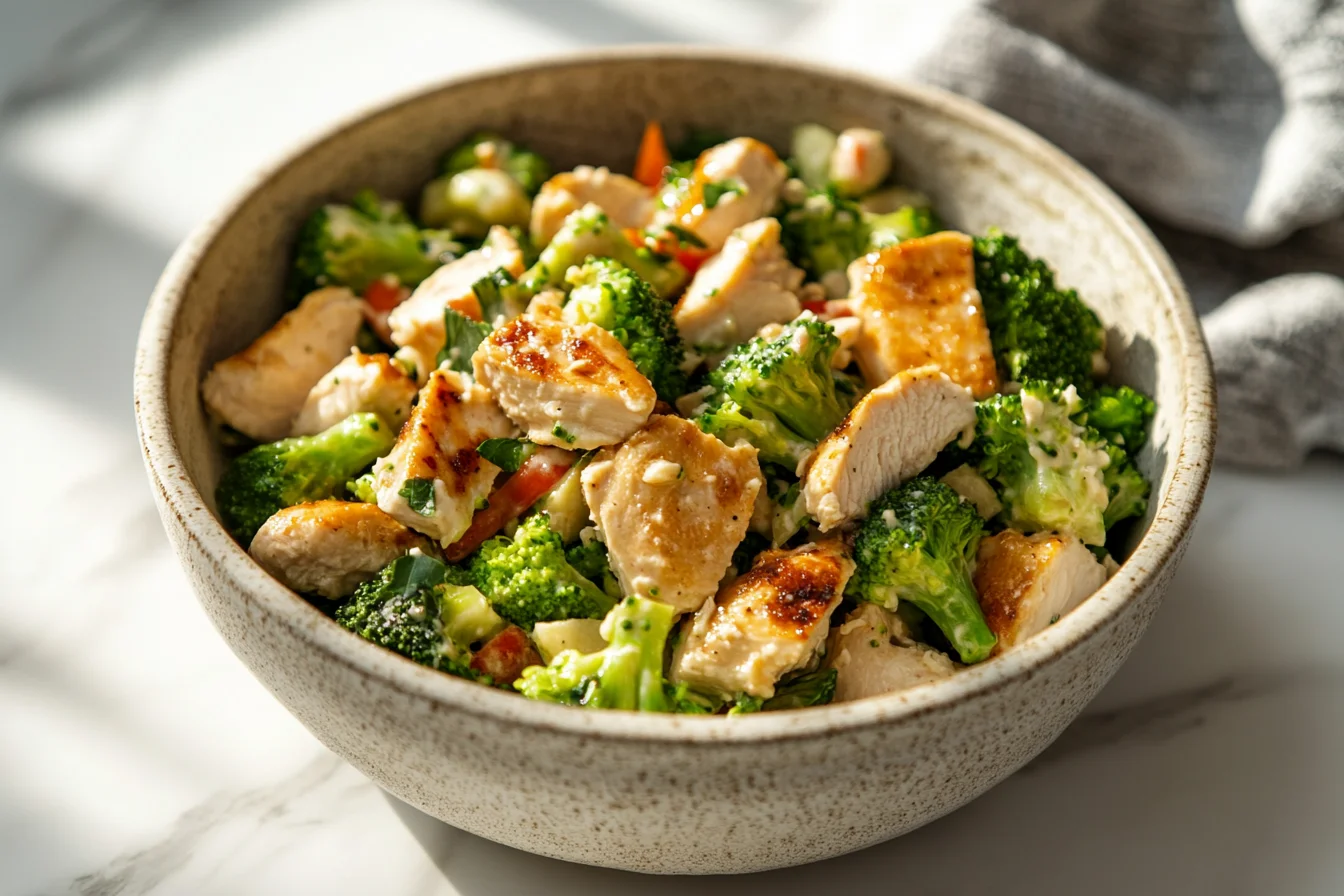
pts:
pixel 419 494
pixel 1054 619
pixel 716 190
pixel 462 337
pixel 685 237
pixel 507 454
pixel 496 292
pixel 563 434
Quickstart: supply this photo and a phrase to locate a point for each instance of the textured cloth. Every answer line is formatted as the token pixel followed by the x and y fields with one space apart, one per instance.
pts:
pixel 1221 122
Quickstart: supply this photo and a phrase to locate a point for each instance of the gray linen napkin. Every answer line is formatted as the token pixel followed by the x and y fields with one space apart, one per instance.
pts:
pixel 1221 122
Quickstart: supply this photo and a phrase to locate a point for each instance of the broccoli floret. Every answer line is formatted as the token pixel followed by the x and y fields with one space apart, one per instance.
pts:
pixel 589 233
pixel 593 563
pixel 356 244
pixel 816 688
pixel 528 579
pixel 906 223
pixel 823 233
pixel 1126 488
pixel 777 393
pixel 420 609
pixel 489 150
pixel 1039 331
pixel 775 442
pixel 1120 414
pixel 361 489
pixel 471 202
pixel 271 477
pixel 626 674
pixel 918 544
pixel 1050 470
pixel 609 294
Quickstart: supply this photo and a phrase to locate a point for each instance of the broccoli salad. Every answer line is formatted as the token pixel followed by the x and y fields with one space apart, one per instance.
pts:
pixel 734 433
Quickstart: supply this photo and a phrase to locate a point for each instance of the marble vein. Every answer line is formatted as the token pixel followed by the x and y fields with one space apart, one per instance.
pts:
pixel 1170 715
pixel 144 870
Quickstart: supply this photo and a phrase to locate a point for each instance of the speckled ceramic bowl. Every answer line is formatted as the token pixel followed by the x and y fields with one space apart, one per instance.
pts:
pixel 661 793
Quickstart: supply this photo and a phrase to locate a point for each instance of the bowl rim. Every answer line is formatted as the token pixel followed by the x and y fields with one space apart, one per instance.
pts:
pixel 1161 544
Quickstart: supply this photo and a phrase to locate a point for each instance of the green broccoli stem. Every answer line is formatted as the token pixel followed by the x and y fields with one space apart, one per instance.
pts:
pixel 271 477
pixel 954 607
pixel 632 674
pixel 626 674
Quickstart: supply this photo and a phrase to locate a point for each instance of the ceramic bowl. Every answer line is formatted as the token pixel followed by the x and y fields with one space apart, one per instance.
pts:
pixel 651 792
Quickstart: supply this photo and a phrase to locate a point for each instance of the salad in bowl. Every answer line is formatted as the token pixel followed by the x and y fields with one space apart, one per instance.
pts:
pixel 744 430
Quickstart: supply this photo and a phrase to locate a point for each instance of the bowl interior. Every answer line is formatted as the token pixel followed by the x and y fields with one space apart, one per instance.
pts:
pixel 980 171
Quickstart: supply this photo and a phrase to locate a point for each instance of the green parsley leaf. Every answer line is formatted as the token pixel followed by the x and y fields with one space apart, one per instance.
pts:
pixel 746 704
pixel 463 337
pixel 685 237
pixel 507 454
pixel 499 295
pixel 716 190
pixel 419 494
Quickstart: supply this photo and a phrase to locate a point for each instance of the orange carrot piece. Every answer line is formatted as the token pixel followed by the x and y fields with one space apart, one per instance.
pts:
pixel 653 156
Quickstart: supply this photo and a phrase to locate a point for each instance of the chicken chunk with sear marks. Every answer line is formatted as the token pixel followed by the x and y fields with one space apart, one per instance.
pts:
pixel 1027 582
pixel 919 306
pixel 764 624
pixel 434 479
pixel 567 386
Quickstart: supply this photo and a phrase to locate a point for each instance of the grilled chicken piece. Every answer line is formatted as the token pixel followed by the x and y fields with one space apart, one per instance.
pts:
pixel 433 480
pixel 359 383
pixel 872 654
pixel 732 184
pixel 764 624
pixel 329 548
pixel 568 386
pixel 749 284
pixel 894 431
pixel 260 390
pixel 919 305
pixel 417 323
pixel 1027 582
pixel 626 201
pixel 672 504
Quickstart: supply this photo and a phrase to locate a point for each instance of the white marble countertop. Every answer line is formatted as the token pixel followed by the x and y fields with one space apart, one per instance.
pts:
pixel 139 756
